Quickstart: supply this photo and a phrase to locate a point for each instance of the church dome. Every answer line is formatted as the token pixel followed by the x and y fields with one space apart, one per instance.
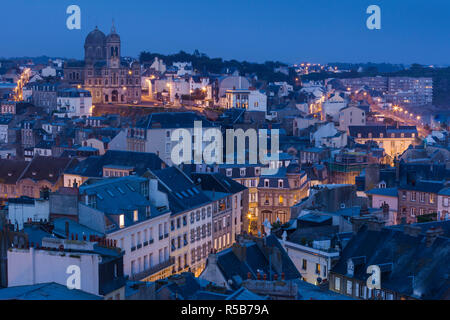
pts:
pixel 95 38
pixel 113 36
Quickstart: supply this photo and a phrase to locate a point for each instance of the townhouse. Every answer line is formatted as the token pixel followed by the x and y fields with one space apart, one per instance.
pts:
pixel 417 199
pixel 190 220
pixel 443 204
pixel 413 261
pixel 131 212
pixel 229 207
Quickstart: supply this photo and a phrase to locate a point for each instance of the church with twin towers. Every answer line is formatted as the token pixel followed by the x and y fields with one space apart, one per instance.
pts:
pixel 109 78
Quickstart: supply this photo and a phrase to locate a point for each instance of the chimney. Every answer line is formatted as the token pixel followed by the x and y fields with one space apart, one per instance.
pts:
pixel 412 230
pixel 432 234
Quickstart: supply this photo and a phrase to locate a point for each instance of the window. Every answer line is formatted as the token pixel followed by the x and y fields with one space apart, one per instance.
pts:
pixel 357 289
pixel 318 268
pixel 422 197
pixel 122 221
pixel 229 172
pixel 304 264
pixel 266 183
pixel 413 212
pixel 445 202
pixel 432 198
pixel 242 172
pixel 280 199
pixel 337 284
pixel 413 196
pixel 280 183
pixel 404 195
pixel 349 288
pixel 135 216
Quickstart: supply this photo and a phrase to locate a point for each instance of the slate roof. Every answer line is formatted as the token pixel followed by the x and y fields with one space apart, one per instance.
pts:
pixel 232 268
pixel 140 161
pixel 385 130
pixel 217 182
pixel 121 196
pixel 170 120
pixel 45 291
pixel 47 168
pixel 182 193
pixel 11 170
pixel 445 225
pixel 409 255
pixel 425 186
pixel 389 192
pixel 445 192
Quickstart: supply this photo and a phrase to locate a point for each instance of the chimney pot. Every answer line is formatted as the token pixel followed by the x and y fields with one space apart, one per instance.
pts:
pixel 282 276
pixel 258 276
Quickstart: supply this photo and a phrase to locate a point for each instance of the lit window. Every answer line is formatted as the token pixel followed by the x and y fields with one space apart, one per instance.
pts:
pixel 122 221
pixel 135 216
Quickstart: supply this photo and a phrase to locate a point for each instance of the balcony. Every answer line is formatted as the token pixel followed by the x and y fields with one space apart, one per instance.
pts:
pixel 152 270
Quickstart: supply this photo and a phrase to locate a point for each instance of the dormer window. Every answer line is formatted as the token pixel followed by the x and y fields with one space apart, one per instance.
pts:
pixel 242 171
pixel 266 183
pixel 135 216
pixel 280 183
pixel 122 221
pixel 229 172
pixel 350 267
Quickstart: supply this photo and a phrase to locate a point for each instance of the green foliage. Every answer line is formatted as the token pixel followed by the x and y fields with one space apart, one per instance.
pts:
pixel 202 63
pixel 427 217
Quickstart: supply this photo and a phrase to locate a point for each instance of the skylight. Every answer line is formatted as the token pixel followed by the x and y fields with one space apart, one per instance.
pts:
pixel 120 190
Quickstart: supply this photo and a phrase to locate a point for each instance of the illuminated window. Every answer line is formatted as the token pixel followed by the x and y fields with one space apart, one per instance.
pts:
pixel 122 221
pixel 135 216
pixel 280 199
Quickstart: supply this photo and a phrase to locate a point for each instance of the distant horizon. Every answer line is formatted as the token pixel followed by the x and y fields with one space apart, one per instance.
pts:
pixel 289 64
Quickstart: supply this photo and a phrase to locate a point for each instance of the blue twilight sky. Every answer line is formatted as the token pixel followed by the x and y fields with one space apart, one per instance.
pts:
pixel 287 30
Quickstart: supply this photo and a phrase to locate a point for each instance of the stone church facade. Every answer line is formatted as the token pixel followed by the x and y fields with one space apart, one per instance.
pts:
pixel 109 78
